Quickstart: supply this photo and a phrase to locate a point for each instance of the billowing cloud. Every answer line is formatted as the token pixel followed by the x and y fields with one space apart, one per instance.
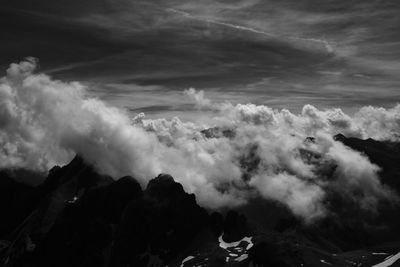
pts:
pixel 368 122
pixel 253 151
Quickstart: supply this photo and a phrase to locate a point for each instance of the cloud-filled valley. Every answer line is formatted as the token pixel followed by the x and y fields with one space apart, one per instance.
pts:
pixel 240 152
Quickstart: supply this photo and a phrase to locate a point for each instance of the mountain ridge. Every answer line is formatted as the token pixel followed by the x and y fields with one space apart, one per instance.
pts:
pixel 78 217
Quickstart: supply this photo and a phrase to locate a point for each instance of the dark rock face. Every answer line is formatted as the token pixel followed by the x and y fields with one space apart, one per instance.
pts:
pixel 46 207
pixel 268 254
pixel 78 217
pixel 84 229
pixel 81 218
pixel 217 132
pixel 235 226
pixel 13 199
pixel 249 162
pixel 162 223
pixel 383 226
pixel 384 154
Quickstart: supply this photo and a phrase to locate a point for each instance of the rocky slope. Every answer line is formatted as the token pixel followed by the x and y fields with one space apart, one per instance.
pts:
pixel 78 217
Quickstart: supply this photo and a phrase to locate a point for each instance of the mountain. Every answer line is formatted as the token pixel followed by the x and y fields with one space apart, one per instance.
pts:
pixel 79 217
pixel 384 154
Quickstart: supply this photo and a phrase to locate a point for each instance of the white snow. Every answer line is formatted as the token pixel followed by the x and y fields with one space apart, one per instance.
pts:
pixel 250 245
pixel 226 245
pixel 388 257
pixel 234 246
pixel 188 258
pixel 242 257
pixel 388 261
pixel 323 261
pixel 73 200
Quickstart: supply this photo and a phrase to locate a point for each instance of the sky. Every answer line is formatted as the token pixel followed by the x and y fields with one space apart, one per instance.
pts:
pixel 142 54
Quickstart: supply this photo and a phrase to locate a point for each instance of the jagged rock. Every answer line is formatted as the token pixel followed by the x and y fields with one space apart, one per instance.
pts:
pixel 14 197
pixel 88 224
pixel 267 254
pixel 217 132
pixel 117 224
pixel 385 154
pixel 235 226
pixel 162 224
pixel 383 225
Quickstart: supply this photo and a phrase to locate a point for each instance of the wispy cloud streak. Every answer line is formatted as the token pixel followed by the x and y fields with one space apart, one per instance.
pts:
pixel 325 43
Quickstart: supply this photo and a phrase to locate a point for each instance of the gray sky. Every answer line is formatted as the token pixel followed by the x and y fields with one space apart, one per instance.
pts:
pixel 141 55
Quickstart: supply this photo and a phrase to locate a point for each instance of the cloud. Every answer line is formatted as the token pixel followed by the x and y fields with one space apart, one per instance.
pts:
pixel 198 97
pixel 368 122
pixel 303 42
pixel 45 122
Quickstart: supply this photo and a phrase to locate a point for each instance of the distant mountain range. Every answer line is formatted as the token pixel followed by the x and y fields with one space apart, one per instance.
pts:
pixel 78 217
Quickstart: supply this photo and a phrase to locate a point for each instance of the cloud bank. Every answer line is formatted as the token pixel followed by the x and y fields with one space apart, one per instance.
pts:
pixel 248 151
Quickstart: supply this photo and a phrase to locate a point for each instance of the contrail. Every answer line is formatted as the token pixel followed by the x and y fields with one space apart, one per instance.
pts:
pixel 325 43
pixel 230 25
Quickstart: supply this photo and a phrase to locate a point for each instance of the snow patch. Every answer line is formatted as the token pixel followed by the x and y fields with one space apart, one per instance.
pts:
pixel 188 258
pixel 226 245
pixel 73 200
pixel 235 251
pixel 389 261
pixel 323 261
pixel 242 257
